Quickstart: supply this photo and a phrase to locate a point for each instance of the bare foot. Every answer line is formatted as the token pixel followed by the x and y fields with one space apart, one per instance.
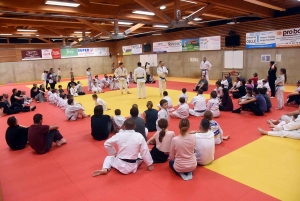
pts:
pixel 100 172
pixel 278 108
pixel 86 116
pixel 151 167
pixel 262 131
pixel 108 109
pixel 226 137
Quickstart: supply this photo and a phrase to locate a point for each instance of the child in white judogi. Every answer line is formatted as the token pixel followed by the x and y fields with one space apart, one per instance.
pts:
pixel 98 81
pixel 115 84
pixel 63 103
pixel 95 88
pixel 118 121
pixel 99 101
pixel 285 123
pixel 213 104
pixel 105 81
pixel 199 103
pixel 74 89
pixel 183 110
pixel 170 103
pixel 219 89
pixel 73 111
pixel 163 113
pixel 215 128
pixel 224 82
pixel 49 93
pixel 183 95
pixel 132 151
pixel 53 97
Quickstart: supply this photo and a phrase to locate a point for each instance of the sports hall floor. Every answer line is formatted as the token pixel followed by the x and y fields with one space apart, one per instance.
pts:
pixel 246 167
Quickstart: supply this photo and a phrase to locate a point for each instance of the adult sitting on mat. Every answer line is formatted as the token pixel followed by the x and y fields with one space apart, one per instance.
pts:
pixel 256 104
pixel 240 91
pixel 202 84
pixel 295 96
pixel 16 136
pixel 139 122
pixel 37 94
pixel 13 108
pixel 14 97
pixel 101 124
pixel 41 137
pixel 69 86
pixel 226 102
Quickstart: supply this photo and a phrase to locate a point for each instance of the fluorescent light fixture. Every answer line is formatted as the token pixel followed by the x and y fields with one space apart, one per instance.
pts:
pixel 233 22
pixel 27 30
pixel 80 32
pixel 162 7
pixel 160 26
pixel 26 35
pixel 104 37
pixel 156 34
pixel 61 3
pixel 143 12
pixel 37 35
pixel 124 23
pixel 5 34
pixel 195 19
pixel 193 2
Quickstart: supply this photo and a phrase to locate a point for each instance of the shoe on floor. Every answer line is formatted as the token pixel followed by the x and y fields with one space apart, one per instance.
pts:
pixel 33 108
pixel 61 142
pixel 236 111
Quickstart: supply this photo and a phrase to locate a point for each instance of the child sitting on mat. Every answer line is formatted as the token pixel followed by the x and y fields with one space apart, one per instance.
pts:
pixel 118 121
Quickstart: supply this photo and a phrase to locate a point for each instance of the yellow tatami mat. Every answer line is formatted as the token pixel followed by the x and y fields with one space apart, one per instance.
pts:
pixel 269 164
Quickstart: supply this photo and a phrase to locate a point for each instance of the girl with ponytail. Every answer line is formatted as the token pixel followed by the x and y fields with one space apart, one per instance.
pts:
pixel 182 157
pixel 162 142
pixel 150 117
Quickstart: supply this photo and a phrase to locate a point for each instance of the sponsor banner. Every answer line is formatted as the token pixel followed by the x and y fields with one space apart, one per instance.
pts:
pixel 85 52
pixel 265 39
pixel 101 51
pixel 137 49
pixel 56 54
pixel 160 47
pixel 190 44
pixel 210 43
pixel 47 53
pixel 288 37
pixel 127 50
pixel 31 54
pixel 69 52
pixel 174 46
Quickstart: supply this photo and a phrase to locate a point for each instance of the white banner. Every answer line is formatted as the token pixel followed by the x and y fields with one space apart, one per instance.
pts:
pixel 288 37
pixel 265 39
pixel 160 47
pixel 92 52
pixel 127 50
pixel 174 46
pixel 137 49
pixel 47 53
pixel 101 51
pixel 210 43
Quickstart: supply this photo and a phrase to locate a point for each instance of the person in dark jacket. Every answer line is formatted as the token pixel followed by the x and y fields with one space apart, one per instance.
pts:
pixel 226 103
pixel 101 124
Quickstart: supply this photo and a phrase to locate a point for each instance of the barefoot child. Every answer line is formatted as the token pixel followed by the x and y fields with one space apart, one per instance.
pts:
pixel 163 113
pixel 183 110
pixel 215 128
pixel 99 101
pixel 118 121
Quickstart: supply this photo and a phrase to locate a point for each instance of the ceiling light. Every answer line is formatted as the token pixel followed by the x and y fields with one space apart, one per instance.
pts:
pixel 104 37
pixel 27 30
pixel 233 22
pixel 156 34
pixel 80 32
pixel 162 7
pixel 193 2
pixel 60 3
pixel 5 34
pixel 197 19
pixel 160 26
pixel 37 35
pixel 26 35
pixel 143 12
pixel 125 23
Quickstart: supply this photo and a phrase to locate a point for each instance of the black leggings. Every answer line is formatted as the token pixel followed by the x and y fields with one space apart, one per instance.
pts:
pixel 253 108
pixel 272 87
pixel 295 98
pixel 236 95
pixel 16 108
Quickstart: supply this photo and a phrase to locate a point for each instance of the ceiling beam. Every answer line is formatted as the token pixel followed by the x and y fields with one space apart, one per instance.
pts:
pixel 133 28
pixel 177 12
pixel 153 9
pixel 201 11
pixel 54 31
pixel 265 5
pixel 215 16
pixel 43 39
pixel 85 3
pixel 93 26
pixel 243 6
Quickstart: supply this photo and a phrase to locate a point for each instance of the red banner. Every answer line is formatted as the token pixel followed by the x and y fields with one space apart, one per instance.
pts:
pixel 56 54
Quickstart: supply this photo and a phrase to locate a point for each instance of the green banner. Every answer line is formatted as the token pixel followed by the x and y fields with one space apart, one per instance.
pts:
pixel 191 44
pixel 70 52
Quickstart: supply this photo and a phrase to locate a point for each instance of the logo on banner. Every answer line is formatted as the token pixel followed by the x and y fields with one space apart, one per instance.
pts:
pixel 56 54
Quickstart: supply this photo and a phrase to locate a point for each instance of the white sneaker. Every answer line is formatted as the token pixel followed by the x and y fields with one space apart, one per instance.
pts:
pixel 61 142
pixel 184 176
pixel 190 175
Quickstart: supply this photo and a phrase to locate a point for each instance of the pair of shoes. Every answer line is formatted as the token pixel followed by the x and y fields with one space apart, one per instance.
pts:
pixel 237 111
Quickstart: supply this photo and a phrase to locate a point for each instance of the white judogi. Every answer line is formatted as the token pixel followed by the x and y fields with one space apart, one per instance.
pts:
pixel 99 83
pixel 205 67
pixel 170 103
pixel 279 82
pixel 199 103
pixel 162 114
pixel 131 145
pixel 53 98
pixel 73 91
pixel 182 112
pixel 89 77
pixel 96 88
pixel 205 148
pixel 288 125
pixel 64 104
pixel 72 111
pixel 119 120
pixel 162 83
pixel 291 130
pixel 48 95
pixel 213 106
pixel 217 131
pixel 121 74
pixel 185 96
pixel 105 82
pixel 225 83
pixel 219 91
pixel 43 78
pixel 140 78
pixel 99 101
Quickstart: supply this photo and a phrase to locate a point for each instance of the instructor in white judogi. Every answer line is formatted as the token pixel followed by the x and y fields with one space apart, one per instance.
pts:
pixel 162 72
pixel 140 78
pixel 205 66
pixel 121 73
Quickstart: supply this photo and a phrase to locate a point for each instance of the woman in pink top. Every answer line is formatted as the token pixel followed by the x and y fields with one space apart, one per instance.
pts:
pixel 162 140
pixel 183 160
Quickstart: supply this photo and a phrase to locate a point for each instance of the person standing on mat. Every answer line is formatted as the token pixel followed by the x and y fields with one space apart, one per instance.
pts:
pixel 121 74
pixel 51 78
pixel 272 77
pixel 89 78
pixel 16 136
pixel 205 66
pixel 162 72
pixel 132 151
pixel 58 75
pixel 41 137
pixel 140 78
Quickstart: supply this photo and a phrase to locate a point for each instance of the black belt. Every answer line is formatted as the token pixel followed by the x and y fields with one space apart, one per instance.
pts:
pixel 163 78
pixel 130 160
pixel 140 78
pixel 200 111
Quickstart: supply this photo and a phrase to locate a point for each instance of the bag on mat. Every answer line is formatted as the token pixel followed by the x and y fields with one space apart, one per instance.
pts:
pixel 81 93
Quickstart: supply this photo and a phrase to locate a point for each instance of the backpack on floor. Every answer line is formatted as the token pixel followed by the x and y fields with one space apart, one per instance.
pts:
pixel 81 93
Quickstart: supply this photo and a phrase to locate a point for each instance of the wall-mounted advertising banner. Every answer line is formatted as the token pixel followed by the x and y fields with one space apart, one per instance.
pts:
pixel 174 46
pixel 31 54
pixel 127 50
pixel 191 44
pixel 101 51
pixel 69 52
pixel 288 37
pixel 56 54
pixel 51 54
pixel 160 47
pixel 210 43
pixel 85 52
pixel 137 49
pixel 265 39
